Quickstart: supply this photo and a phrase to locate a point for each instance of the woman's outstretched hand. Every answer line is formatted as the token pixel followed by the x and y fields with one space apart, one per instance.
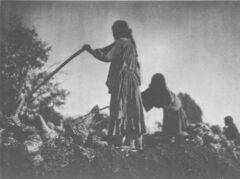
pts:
pixel 87 47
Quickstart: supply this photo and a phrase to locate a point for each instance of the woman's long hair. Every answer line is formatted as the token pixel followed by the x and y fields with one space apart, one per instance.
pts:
pixel 158 82
pixel 159 90
pixel 120 29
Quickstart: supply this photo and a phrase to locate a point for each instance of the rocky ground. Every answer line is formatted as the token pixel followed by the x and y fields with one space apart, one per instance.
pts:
pixel 204 154
pixel 160 161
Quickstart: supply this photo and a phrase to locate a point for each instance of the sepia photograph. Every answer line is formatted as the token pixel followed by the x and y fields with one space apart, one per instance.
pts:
pixel 119 89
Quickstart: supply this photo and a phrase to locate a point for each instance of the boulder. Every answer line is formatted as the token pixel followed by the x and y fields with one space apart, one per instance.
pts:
pixel 36 160
pixel 9 141
pixel 32 145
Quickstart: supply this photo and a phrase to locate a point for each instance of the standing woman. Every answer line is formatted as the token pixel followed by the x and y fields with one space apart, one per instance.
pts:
pixel 126 111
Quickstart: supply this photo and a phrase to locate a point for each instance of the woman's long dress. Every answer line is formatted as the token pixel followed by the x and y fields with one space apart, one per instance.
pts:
pixel 174 117
pixel 126 111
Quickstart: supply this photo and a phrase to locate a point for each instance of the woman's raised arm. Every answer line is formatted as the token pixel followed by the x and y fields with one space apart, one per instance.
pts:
pixel 106 54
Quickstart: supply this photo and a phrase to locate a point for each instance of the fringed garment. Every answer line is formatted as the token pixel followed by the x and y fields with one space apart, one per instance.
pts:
pixel 126 111
pixel 174 117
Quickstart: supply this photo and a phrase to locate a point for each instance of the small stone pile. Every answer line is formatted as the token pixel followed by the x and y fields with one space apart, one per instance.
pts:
pixel 50 148
pixel 212 137
pixel 201 134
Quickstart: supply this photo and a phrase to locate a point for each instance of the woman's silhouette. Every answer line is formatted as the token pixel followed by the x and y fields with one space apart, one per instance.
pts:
pixel 158 95
pixel 126 111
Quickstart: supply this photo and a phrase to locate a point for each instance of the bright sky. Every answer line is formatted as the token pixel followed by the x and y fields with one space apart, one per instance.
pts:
pixel 196 45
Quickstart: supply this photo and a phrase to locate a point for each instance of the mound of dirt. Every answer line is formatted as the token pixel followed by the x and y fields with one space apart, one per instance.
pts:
pixel 64 159
pixel 204 153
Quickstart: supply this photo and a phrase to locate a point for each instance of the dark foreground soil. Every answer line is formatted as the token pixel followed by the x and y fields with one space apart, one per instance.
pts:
pixel 164 161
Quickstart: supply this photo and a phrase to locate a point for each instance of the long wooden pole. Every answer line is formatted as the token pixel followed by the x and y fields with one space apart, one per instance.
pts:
pixel 46 80
pixel 55 71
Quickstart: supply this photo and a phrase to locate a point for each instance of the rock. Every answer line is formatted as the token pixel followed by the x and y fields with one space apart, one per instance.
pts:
pixel 15 120
pixel 29 130
pixel 51 125
pixel 87 153
pixel 50 135
pixel 60 129
pixel 69 141
pixel 216 129
pixel 9 141
pixel 184 134
pixel 36 160
pixel 199 132
pixel 61 140
pixel 197 140
pixel 95 141
pixel 210 138
pixel 32 145
pixel 215 147
pixel 47 132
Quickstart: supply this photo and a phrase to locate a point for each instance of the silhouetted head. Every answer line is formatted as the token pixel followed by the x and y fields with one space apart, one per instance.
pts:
pixel 120 29
pixel 228 120
pixel 157 95
pixel 158 82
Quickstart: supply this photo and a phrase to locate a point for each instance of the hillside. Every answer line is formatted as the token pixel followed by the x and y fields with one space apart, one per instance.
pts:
pixel 203 154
